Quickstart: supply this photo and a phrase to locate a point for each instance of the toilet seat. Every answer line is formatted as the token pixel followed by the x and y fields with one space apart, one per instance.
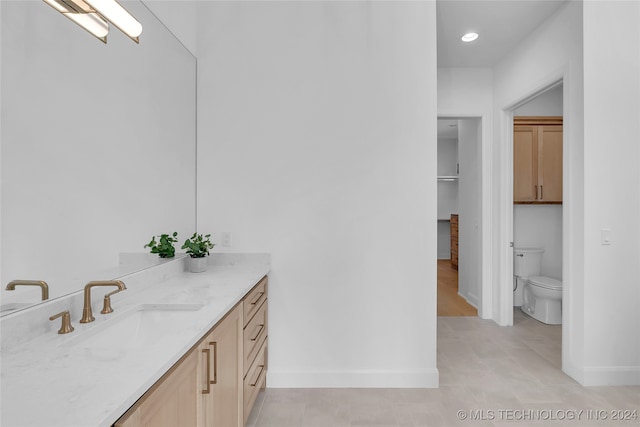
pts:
pixel 546 283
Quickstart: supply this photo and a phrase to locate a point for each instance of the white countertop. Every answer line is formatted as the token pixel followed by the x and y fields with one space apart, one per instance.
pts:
pixel 48 381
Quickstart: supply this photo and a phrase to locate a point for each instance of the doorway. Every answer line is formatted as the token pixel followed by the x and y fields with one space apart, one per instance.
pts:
pixel 459 204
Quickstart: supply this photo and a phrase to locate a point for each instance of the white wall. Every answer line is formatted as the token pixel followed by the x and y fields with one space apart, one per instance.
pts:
pixel 180 17
pixel 444 239
pixel 548 103
pixel 469 203
pixel 540 226
pixel 612 192
pixel 447 166
pixel 468 92
pixel 317 143
pixel 447 193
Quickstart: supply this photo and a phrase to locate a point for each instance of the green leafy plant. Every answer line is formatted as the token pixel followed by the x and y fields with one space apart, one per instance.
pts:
pixel 164 245
pixel 198 246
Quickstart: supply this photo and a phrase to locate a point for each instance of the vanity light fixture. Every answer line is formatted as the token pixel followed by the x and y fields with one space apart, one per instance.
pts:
pixel 92 15
pixel 469 37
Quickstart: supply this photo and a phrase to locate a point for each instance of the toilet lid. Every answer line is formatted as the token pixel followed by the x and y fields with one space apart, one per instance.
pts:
pixel 546 282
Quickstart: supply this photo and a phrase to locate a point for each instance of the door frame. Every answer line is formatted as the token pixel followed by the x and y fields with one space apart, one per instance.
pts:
pixel 485 255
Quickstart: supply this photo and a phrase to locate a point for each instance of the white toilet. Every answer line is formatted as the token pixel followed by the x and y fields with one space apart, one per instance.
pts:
pixel 539 296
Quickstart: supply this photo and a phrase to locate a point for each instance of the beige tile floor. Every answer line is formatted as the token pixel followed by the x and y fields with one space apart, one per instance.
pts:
pixel 501 376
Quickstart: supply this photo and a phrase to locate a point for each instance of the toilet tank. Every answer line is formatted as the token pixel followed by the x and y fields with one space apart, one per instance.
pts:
pixel 527 262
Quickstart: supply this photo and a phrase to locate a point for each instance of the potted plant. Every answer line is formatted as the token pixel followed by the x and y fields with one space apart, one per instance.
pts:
pixel 164 245
pixel 197 247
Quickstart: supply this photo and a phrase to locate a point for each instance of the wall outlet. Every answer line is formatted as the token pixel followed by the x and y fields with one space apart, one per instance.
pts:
pixel 225 238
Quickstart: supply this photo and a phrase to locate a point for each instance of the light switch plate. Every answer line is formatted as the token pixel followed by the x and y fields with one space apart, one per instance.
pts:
pixel 605 236
pixel 225 238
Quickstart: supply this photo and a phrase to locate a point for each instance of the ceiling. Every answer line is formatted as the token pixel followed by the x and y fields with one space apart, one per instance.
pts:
pixel 500 24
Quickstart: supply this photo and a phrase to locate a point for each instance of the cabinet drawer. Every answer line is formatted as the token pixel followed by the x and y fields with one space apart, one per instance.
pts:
pixel 254 335
pixel 255 380
pixel 254 299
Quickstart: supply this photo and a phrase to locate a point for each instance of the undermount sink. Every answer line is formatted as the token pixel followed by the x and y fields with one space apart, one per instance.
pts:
pixel 143 325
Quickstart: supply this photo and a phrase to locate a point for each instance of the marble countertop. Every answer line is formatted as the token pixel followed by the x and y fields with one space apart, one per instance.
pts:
pixel 51 381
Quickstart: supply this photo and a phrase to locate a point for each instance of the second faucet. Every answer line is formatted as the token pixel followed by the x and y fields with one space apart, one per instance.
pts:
pixel 87 314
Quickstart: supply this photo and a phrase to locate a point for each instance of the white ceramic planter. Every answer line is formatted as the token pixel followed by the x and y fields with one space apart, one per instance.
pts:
pixel 197 265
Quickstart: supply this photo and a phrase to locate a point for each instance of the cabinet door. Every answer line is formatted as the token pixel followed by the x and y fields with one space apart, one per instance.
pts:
pixel 170 402
pixel 550 163
pixel 525 158
pixel 220 374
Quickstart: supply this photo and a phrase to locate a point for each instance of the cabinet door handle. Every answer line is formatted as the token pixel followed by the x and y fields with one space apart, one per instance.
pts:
pixel 215 362
pixel 258 377
pixel 536 191
pixel 261 327
pixel 541 196
pixel 255 301
pixel 207 352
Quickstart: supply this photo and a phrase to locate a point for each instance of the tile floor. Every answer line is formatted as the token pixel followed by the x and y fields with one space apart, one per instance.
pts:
pixel 498 376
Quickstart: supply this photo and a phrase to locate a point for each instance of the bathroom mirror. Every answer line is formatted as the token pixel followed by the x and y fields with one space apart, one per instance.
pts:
pixel 97 149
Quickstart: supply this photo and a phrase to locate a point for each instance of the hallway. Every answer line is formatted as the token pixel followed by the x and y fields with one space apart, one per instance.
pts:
pixel 449 302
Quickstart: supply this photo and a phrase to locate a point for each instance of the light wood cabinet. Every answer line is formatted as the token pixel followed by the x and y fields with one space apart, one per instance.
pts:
pixel 171 402
pixel 255 344
pixel 216 383
pixel 537 160
pixel 221 402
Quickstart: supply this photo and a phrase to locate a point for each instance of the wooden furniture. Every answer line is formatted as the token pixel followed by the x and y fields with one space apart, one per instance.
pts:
pixel 255 344
pixel 216 383
pixel 220 388
pixel 537 160
pixel 454 241
pixel 170 402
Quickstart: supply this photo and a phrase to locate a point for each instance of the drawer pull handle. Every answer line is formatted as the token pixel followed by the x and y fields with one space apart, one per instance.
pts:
pixel 255 301
pixel 215 362
pixel 258 377
pixel 207 352
pixel 260 329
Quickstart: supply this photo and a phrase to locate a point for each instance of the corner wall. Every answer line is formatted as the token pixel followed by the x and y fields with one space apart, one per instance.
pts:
pixel 317 143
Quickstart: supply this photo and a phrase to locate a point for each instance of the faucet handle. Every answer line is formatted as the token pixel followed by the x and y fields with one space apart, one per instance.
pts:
pixel 106 308
pixel 66 327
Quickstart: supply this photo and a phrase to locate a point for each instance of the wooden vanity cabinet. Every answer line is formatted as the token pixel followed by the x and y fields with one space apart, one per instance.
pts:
pixel 172 401
pixel 537 160
pixel 255 345
pixel 216 383
pixel 220 380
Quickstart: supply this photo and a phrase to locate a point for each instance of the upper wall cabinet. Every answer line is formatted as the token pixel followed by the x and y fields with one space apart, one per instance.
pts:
pixel 537 160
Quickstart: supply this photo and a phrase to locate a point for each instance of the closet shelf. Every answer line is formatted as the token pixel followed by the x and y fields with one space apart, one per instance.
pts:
pixel 447 178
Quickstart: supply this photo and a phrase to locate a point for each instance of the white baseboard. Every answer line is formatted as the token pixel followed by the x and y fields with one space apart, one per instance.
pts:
pixel 353 379
pixel 471 299
pixel 610 376
pixel 573 371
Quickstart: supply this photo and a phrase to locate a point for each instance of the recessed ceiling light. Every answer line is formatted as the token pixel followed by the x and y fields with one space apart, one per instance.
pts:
pixel 469 37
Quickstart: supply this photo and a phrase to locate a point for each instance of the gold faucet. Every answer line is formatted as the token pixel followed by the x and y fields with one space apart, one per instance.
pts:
pixel 11 286
pixel 66 327
pixel 106 307
pixel 87 315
